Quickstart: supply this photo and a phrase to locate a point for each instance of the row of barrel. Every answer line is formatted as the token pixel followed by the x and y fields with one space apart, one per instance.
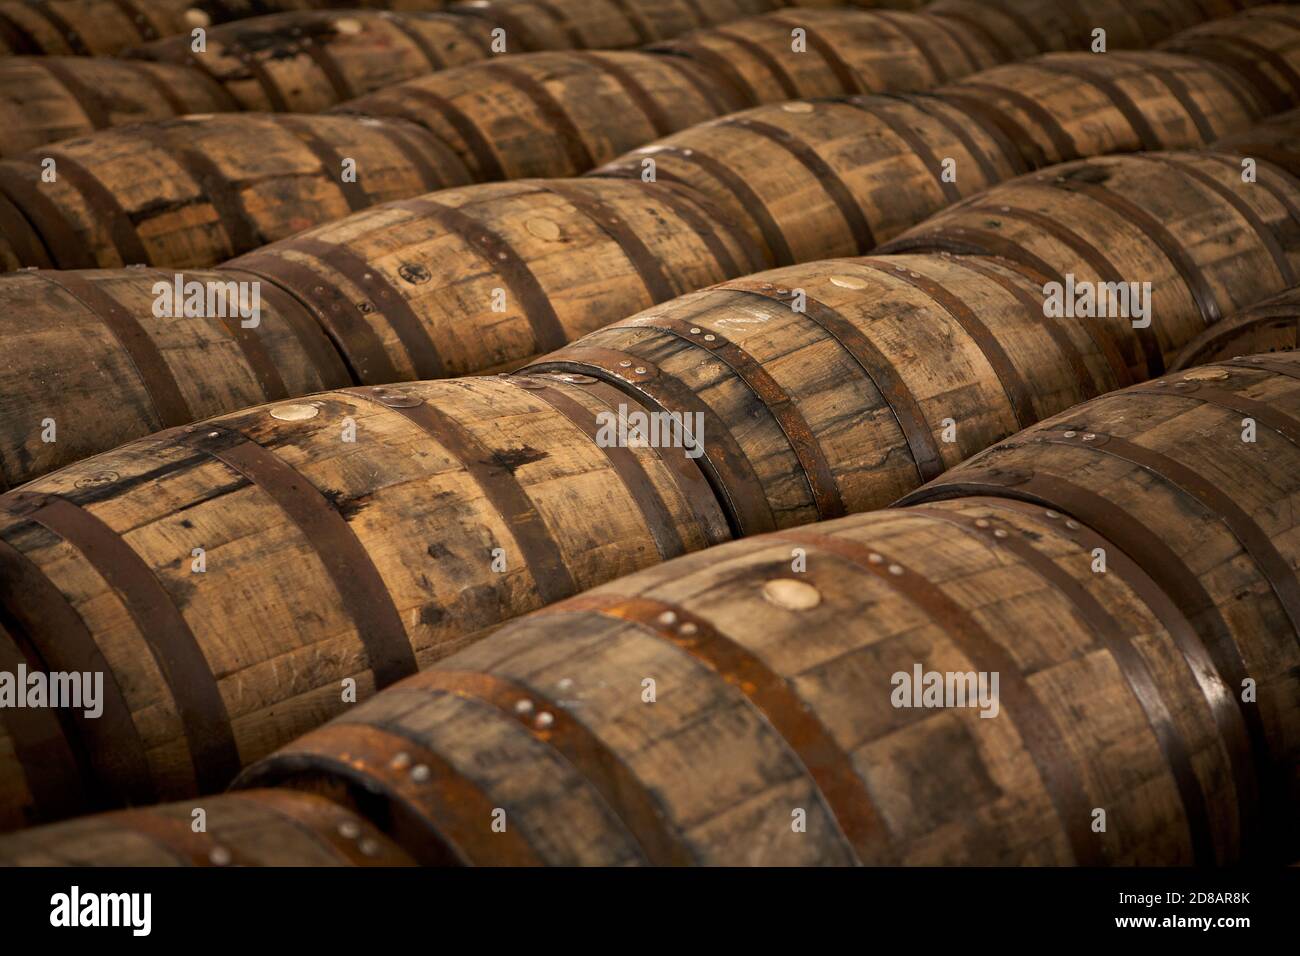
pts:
pixel 733 707
pixel 104 27
pixel 233 579
pixel 242 580
pixel 481 277
pixel 100 27
pixel 309 61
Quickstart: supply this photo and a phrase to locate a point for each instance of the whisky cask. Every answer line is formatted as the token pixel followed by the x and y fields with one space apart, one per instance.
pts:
pixel 1065 106
pixel 487 276
pixel 810 180
pixel 103 27
pixel 194 191
pixel 1182 222
pixel 841 51
pixel 1268 326
pixel 604 24
pixel 818 179
pixel 837 386
pixel 552 114
pixel 44 99
pixel 97 358
pixel 340 541
pixel 1188 477
pixel 253 828
pixel 788 725
pixel 307 61
pixel 1261 45
pixel 1021 28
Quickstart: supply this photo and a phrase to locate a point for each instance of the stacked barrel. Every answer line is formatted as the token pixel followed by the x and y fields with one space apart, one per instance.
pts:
pixel 483 277
pixel 825 239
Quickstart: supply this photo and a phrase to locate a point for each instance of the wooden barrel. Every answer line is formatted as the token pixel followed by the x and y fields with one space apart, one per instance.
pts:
pixel 345 540
pixel 307 61
pixel 487 276
pixel 837 386
pixel 1065 106
pixel 840 52
pixel 194 191
pixel 44 99
pixel 552 114
pixel 1276 139
pixel 751 704
pixel 1269 326
pixel 102 27
pixel 253 828
pixel 812 180
pixel 1018 29
pixel 605 24
pixel 91 362
pixel 1261 45
pixel 1138 219
pixel 1188 478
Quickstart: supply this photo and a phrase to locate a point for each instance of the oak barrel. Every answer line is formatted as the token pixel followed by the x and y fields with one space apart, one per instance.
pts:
pixel 1269 326
pixel 837 386
pixel 44 99
pixel 760 703
pixel 238 581
pixel 824 178
pixel 194 191
pixel 1261 45
pixel 307 61
pixel 761 60
pixel 92 362
pixel 486 276
pixel 1188 478
pixel 812 179
pixel 253 828
pixel 1065 106
pixel 552 114
pixel 1183 222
